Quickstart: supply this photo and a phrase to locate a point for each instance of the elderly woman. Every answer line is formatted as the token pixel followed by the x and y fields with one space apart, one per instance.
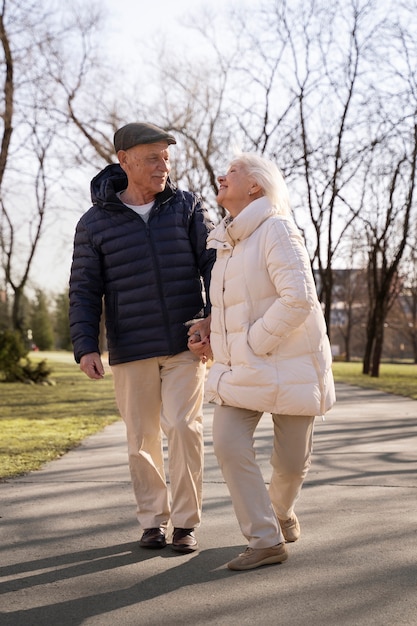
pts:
pixel 271 354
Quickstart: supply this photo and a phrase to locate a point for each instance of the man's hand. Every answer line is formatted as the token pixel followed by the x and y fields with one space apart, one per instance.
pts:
pixel 199 339
pixel 201 328
pixel 91 365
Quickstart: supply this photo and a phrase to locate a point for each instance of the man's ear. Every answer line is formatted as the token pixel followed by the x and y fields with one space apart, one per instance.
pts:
pixel 122 156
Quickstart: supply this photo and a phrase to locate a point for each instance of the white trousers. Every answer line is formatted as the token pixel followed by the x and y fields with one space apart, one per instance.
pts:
pixel 256 508
pixel 164 393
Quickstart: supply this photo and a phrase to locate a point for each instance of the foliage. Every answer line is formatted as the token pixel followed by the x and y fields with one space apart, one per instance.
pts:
pixel 62 328
pixel 39 424
pixel 41 325
pixel 15 366
pixel 45 47
pixel 12 350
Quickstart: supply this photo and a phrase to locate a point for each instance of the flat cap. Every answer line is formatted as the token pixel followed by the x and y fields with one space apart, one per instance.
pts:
pixel 140 133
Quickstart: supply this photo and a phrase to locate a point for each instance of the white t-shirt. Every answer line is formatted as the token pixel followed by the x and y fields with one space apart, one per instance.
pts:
pixel 141 209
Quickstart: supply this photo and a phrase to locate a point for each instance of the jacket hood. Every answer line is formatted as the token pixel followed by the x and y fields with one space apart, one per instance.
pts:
pixel 107 183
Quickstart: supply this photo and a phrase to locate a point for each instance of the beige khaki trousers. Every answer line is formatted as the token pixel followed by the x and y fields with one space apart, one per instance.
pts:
pixel 256 508
pixel 164 394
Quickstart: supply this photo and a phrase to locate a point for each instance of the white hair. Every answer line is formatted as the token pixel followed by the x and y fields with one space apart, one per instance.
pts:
pixel 268 176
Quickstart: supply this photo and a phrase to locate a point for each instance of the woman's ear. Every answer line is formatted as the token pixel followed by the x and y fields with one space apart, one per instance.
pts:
pixel 255 190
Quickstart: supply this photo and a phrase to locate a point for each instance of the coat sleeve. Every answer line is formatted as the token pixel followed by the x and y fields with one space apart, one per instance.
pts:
pixel 289 269
pixel 199 227
pixel 86 294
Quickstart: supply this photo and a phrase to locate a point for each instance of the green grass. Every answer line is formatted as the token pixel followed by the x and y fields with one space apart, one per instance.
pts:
pixel 40 423
pixel 400 379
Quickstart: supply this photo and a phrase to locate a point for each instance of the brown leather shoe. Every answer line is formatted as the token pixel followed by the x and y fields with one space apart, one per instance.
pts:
pixel 153 538
pixel 183 540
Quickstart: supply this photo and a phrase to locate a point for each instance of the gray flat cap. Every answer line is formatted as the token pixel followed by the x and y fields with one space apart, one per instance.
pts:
pixel 140 133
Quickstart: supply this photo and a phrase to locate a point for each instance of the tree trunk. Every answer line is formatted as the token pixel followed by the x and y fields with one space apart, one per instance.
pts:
pixel 327 290
pixel 17 315
pixel 378 345
pixel 370 342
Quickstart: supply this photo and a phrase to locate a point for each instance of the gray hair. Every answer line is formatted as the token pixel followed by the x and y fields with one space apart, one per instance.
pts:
pixel 269 177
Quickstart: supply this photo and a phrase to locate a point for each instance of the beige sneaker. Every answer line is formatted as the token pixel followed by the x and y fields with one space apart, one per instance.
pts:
pixel 255 557
pixel 290 528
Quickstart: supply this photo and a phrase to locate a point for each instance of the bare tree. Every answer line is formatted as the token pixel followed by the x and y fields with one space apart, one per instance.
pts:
pixel 34 129
pixel 389 201
pixel 17 279
pixel 8 93
pixel 349 310
pixel 326 63
pixel 326 91
pixel 388 220
pixel 288 86
pixel 194 105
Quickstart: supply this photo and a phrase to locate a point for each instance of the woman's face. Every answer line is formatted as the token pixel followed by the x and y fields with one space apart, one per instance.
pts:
pixel 235 189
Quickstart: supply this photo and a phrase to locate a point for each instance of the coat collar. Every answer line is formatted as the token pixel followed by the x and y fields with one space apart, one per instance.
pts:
pixel 231 230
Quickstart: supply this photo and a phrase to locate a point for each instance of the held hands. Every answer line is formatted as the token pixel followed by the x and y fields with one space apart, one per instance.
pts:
pixel 198 344
pixel 91 365
pixel 199 339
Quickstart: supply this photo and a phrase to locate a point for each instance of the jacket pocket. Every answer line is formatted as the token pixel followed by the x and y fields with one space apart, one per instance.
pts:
pixel 211 388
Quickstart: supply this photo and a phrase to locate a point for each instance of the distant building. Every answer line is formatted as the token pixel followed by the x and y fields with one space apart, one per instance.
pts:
pixel 349 313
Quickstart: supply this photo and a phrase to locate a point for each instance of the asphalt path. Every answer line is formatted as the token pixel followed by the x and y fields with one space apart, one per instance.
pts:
pixel 69 551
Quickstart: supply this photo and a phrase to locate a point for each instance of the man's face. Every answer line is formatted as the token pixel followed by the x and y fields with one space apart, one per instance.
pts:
pixel 147 167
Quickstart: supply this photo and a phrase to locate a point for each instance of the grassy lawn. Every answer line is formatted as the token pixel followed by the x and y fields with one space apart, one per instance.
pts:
pixel 40 423
pixel 400 379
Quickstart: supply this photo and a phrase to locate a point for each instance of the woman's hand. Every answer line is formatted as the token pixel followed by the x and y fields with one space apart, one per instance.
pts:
pixel 200 347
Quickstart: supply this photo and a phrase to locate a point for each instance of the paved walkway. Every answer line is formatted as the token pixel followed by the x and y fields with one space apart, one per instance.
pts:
pixel 69 552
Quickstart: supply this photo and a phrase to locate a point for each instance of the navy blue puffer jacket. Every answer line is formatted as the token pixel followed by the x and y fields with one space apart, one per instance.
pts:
pixel 148 273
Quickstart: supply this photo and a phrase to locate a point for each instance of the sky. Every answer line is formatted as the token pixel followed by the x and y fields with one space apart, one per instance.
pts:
pixel 136 19
pixel 127 22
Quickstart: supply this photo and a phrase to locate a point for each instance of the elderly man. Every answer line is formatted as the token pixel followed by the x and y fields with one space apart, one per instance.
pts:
pixel 142 247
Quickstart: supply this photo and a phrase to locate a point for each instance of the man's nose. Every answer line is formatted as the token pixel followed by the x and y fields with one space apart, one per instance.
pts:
pixel 164 166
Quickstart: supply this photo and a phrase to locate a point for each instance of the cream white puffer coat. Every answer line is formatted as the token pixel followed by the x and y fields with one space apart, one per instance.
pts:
pixel 268 334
